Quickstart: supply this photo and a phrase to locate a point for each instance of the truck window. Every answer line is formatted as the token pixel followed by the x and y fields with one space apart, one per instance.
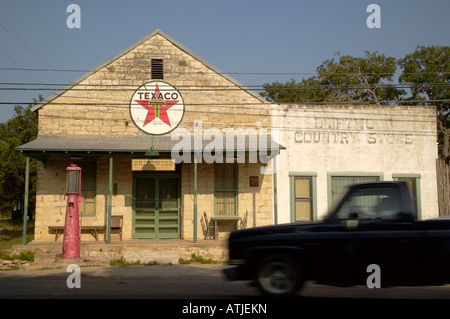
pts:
pixel 371 203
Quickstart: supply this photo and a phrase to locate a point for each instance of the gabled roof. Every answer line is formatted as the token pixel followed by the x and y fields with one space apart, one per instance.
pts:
pixel 174 42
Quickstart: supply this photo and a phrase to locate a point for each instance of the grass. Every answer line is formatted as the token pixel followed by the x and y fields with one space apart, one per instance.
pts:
pixel 194 258
pixel 197 259
pixel 121 262
pixel 11 233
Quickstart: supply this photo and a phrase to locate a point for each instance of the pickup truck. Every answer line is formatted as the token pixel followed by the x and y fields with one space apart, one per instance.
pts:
pixel 373 227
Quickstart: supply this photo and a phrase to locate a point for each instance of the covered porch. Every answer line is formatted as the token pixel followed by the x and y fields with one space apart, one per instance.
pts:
pixel 117 183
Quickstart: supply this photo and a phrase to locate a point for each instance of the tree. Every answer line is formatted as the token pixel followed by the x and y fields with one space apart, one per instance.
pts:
pixel 361 79
pixel 20 129
pixel 427 71
pixel 308 90
pixel 342 79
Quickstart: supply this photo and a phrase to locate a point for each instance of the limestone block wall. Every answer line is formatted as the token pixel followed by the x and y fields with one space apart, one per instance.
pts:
pixel 256 201
pixel 51 202
pixel 99 104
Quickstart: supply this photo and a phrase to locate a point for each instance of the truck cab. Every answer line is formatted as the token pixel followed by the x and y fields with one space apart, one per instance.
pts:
pixel 374 224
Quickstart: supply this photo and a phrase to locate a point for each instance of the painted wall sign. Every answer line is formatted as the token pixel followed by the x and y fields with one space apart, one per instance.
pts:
pixel 152 165
pixel 335 130
pixel 156 108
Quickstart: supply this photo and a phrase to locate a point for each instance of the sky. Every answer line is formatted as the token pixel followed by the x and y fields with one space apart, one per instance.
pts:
pixel 254 41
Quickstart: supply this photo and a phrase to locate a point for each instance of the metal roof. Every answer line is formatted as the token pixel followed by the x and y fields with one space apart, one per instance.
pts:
pixel 138 144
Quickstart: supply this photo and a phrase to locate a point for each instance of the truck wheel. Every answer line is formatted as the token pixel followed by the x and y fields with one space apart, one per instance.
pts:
pixel 279 276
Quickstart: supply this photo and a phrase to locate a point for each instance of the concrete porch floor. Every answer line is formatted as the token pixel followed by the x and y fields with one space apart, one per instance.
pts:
pixel 161 251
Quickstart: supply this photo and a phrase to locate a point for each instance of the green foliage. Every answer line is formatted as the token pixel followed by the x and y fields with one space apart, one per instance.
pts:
pixel 12 232
pixel 370 79
pixel 308 90
pixel 197 259
pixel 183 261
pixel 26 255
pixel 364 79
pixel 341 79
pixel 427 71
pixel 122 262
pixel 20 129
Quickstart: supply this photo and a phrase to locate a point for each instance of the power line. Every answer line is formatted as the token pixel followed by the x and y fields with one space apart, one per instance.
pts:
pixel 31 50
pixel 277 126
pixel 235 73
pixel 129 87
pixel 230 104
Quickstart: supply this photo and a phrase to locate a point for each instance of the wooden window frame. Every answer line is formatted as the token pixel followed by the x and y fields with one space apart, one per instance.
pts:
pixel 224 190
pixel 313 177
pixel 331 175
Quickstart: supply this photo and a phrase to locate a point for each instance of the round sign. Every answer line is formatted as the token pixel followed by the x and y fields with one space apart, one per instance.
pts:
pixel 156 108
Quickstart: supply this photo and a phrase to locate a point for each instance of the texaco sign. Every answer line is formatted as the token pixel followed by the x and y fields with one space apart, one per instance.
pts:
pixel 157 108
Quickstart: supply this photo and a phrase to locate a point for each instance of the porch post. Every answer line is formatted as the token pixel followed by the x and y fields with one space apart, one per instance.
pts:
pixel 25 206
pixel 195 198
pixel 110 198
pixel 275 191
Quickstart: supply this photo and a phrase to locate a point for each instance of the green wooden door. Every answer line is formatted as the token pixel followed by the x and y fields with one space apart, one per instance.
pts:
pixel 156 207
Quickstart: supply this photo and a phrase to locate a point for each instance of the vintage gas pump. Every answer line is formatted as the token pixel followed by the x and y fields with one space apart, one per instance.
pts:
pixel 72 228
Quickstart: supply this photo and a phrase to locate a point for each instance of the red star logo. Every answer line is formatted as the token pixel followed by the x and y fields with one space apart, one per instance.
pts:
pixel 157 107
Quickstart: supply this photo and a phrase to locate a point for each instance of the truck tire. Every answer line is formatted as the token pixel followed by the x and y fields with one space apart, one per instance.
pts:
pixel 279 276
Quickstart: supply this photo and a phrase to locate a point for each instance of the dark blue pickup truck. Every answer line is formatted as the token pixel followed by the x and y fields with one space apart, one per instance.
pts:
pixel 373 227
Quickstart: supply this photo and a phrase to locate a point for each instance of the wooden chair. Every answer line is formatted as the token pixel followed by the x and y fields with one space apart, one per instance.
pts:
pixel 208 227
pixel 116 225
pixel 243 223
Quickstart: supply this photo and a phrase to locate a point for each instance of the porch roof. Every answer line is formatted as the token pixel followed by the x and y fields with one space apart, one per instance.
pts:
pixel 57 144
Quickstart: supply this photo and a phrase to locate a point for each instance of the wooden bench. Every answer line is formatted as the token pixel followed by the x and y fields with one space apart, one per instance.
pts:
pixel 92 229
pixel 116 225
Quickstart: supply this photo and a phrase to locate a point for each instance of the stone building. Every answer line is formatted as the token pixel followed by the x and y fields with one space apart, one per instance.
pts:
pixel 164 139
pixel 173 145
pixel 331 146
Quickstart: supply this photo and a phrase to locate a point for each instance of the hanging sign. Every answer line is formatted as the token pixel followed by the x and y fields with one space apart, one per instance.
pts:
pixel 152 164
pixel 156 108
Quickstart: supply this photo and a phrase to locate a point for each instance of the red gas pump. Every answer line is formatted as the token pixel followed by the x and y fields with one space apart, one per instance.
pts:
pixel 72 228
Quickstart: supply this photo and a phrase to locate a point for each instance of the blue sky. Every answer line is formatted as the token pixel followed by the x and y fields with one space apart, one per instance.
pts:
pixel 236 36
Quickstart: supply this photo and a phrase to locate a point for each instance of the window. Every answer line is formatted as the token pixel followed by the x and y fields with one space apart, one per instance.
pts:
pixel 337 184
pixel 303 196
pixel 413 182
pixel 88 187
pixel 157 69
pixel 369 203
pixel 225 189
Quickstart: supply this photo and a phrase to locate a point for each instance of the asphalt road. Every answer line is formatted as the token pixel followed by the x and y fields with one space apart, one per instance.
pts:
pixel 190 285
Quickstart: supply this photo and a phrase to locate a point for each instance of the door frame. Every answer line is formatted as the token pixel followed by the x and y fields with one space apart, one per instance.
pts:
pixel 157 176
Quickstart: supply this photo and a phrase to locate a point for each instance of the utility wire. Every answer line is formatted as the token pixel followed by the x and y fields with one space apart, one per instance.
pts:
pixel 238 73
pixel 229 88
pixel 288 127
pixel 31 50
